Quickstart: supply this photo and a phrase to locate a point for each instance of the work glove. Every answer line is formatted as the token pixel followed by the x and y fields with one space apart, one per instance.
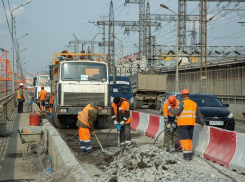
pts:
pixel 169 107
pixel 115 122
pixel 122 123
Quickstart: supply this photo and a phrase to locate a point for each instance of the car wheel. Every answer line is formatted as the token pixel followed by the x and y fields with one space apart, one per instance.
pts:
pixel 231 127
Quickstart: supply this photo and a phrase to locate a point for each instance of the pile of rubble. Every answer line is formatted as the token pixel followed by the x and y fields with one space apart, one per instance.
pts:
pixel 148 163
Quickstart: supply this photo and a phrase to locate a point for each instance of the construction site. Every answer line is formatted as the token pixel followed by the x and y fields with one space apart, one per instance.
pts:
pixel 122 90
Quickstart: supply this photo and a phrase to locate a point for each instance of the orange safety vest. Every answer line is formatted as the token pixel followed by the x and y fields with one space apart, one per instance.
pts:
pixel 83 115
pixel 165 108
pixel 123 107
pixel 42 95
pixel 188 115
pixel 51 99
pixel 18 94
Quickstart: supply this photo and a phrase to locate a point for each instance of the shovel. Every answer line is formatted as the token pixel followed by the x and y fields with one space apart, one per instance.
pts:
pixel 102 149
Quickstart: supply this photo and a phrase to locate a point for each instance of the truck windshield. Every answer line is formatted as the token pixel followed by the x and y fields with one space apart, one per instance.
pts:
pixel 43 80
pixel 83 71
pixel 120 88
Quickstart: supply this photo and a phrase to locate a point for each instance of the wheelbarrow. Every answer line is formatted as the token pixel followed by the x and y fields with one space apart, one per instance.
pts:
pixel 28 135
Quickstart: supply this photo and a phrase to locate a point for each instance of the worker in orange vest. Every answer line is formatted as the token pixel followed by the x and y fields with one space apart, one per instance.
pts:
pixel 120 113
pixel 170 123
pixel 51 103
pixel 42 97
pixel 21 98
pixel 85 122
pixel 186 112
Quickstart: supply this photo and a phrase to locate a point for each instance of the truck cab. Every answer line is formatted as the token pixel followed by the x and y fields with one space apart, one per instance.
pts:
pixel 121 88
pixel 75 83
pixel 37 82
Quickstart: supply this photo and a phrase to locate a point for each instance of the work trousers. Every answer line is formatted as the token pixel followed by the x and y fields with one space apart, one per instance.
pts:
pixel 20 107
pixel 85 142
pixel 125 135
pixel 167 136
pixel 185 136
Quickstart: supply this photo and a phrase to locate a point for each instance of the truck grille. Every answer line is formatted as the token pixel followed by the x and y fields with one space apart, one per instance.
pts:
pixel 81 99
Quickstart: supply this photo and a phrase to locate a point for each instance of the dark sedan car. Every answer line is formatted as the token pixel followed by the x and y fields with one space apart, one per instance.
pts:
pixel 214 112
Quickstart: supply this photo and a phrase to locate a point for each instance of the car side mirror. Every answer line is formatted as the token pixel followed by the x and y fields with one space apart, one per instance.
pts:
pixel 226 105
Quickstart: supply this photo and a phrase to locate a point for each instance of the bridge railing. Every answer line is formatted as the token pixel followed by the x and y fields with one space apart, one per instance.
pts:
pixel 7 105
pixel 232 99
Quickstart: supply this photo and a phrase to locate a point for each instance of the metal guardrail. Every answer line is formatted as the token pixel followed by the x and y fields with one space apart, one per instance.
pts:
pixel 6 107
pixel 232 99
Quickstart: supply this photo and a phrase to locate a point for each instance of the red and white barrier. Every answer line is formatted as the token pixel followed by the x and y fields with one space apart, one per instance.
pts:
pixel 237 162
pixel 154 123
pixel 135 120
pixel 221 147
pixel 143 124
pixel 200 139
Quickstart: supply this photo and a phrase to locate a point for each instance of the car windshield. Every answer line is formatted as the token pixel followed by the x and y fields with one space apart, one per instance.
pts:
pixel 120 88
pixel 207 101
pixel 83 71
pixel 43 80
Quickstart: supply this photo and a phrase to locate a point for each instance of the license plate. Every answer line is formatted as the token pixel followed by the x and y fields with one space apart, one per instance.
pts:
pixel 216 122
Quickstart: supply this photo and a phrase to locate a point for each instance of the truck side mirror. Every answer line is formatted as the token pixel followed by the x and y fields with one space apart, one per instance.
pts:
pixel 51 72
pixel 34 81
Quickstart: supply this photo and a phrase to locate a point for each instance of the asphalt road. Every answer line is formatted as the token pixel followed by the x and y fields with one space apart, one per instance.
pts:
pixel 240 126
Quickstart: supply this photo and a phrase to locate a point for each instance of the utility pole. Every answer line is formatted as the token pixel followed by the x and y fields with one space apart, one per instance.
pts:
pixel 103 39
pixel 111 40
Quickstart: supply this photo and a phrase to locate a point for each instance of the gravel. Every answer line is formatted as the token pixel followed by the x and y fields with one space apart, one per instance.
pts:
pixel 148 163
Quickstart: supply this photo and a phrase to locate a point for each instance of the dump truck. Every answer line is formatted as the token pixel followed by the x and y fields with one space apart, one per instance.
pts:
pixel 148 89
pixel 77 81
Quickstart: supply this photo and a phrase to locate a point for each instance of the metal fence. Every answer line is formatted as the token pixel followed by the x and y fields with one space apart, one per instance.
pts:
pixel 227 82
pixel 7 105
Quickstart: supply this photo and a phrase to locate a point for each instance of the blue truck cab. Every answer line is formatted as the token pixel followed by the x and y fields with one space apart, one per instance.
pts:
pixel 122 88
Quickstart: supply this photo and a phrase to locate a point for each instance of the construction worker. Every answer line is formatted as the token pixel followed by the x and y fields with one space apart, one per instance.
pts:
pixel 51 102
pixel 170 123
pixel 42 97
pixel 186 112
pixel 120 113
pixel 21 98
pixel 85 122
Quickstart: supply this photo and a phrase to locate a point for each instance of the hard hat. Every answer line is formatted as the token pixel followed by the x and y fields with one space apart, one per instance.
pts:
pixel 21 84
pixel 117 100
pixel 101 103
pixel 185 91
pixel 171 100
pixel 42 86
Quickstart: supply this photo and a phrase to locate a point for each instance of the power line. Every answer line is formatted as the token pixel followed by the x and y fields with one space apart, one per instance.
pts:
pixel 6 17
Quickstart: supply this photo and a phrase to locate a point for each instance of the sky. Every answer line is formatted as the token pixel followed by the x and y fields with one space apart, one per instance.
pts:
pixel 52 23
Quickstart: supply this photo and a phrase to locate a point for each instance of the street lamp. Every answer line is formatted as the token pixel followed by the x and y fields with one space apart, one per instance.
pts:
pixel 22 50
pixel 22 36
pixel 177 49
pixel 12 34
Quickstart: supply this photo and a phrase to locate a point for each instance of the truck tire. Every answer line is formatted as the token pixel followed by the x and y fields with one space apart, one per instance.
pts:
pixel 60 123
pixel 136 104
pixel 140 104
pixel 102 122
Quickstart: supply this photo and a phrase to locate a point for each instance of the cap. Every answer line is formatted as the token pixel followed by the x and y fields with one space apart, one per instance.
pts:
pixel 117 100
pixel 101 103
pixel 21 85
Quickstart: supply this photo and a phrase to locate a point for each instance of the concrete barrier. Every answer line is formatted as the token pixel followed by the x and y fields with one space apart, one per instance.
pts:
pixel 201 138
pixel 154 123
pixel 160 132
pixel 221 147
pixel 237 162
pixel 135 120
pixel 143 124
pixel 60 153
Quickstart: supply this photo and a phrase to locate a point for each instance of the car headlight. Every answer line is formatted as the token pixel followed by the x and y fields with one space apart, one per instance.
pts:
pixel 62 110
pixel 132 100
pixel 112 99
pixel 230 115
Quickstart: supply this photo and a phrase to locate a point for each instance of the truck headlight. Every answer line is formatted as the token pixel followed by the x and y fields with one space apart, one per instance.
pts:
pixel 132 100
pixel 230 115
pixel 62 110
pixel 112 99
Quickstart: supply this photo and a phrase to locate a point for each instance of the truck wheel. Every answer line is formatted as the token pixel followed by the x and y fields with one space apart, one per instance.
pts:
pixel 60 123
pixel 140 104
pixel 103 122
pixel 136 104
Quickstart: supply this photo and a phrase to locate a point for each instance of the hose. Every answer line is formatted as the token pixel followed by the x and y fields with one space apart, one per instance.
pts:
pixel 158 136
pixel 107 138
